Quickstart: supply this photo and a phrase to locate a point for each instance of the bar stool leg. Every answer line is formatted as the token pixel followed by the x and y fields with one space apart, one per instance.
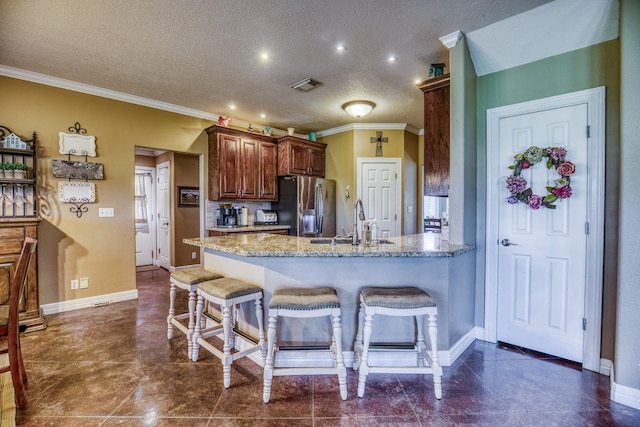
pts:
pixel 435 363
pixel 192 321
pixel 357 347
pixel 197 329
pixel 364 367
pixel 172 311
pixel 226 348
pixel 261 341
pixel 421 348
pixel 342 371
pixel 269 362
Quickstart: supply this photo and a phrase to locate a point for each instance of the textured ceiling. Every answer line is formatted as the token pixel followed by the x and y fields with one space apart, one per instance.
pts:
pixel 205 54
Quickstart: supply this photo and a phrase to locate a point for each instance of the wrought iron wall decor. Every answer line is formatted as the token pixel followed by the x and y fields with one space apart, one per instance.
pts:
pixel 79 145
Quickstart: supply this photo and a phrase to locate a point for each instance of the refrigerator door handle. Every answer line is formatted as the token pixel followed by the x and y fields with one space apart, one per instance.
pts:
pixel 319 208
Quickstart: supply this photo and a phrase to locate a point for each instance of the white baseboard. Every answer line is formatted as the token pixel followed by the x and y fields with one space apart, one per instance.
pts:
pixel 59 307
pixel 622 394
pixel 298 358
pixel 606 366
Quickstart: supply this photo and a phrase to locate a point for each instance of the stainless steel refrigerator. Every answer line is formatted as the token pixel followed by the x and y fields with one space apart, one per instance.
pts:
pixel 308 205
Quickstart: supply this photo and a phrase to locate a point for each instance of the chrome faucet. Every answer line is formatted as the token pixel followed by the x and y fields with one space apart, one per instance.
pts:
pixel 357 215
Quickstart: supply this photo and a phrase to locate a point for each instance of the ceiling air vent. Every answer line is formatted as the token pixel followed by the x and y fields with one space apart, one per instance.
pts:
pixel 305 85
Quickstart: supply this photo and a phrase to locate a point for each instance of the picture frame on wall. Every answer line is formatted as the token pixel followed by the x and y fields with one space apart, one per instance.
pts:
pixel 189 196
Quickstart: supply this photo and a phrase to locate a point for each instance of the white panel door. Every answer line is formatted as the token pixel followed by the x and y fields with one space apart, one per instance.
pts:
pixel 379 189
pixel 541 253
pixel 164 212
pixel 146 231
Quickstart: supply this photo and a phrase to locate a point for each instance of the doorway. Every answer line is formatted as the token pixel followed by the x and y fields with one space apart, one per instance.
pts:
pixel 379 187
pixel 145 216
pixel 544 266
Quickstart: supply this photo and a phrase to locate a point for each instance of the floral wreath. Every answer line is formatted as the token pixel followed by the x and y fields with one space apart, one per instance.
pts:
pixel 518 187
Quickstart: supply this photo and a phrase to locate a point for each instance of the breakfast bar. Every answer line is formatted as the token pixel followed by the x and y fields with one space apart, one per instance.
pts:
pixel 446 271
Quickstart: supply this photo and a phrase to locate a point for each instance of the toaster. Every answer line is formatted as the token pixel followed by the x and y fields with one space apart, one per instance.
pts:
pixel 266 217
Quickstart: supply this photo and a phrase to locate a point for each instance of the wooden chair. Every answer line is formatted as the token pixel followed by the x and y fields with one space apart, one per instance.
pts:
pixel 9 322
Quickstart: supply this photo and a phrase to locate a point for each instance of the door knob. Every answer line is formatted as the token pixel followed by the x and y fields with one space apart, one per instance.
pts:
pixel 506 242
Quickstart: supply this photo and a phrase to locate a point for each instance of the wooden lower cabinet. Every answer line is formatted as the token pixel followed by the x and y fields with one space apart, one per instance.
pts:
pixel 12 234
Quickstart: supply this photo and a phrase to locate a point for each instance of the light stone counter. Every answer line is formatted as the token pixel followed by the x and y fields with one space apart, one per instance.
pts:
pixel 271 261
pixel 271 245
pixel 250 228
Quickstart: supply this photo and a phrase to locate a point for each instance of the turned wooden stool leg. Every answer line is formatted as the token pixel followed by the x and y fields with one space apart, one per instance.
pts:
pixel 269 362
pixel 435 363
pixel 363 370
pixel 197 329
pixel 342 371
pixel 172 311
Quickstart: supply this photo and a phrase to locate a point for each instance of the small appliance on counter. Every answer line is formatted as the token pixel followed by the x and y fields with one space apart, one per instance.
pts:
pixel 228 216
pixel 266 217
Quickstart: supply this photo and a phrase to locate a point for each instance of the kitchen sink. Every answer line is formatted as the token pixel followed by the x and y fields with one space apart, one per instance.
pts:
pixel 344 241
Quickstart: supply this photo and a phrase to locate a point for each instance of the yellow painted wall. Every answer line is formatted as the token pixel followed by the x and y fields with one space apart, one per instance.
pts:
pixel 340 165
pixel 102 249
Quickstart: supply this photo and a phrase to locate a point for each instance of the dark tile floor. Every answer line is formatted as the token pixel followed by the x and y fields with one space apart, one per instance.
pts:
pixel 113 365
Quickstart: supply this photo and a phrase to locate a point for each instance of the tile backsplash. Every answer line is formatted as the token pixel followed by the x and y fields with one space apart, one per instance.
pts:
pixel 251 206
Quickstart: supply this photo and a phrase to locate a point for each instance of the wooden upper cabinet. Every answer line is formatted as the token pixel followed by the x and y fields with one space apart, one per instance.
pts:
pixel 242 165
pixel 436 135
pixel 297 156
pixel 268 180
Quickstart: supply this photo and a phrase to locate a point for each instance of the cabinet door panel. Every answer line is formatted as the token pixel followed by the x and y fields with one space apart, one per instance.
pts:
pixel 316 162
pixel 299 160
pixel 248 175
pixel 268 171
pixel 229 164
pixel 436 139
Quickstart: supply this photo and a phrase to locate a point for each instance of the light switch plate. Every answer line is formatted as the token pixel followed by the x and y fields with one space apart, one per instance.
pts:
pixel 106 213
pixel 84 282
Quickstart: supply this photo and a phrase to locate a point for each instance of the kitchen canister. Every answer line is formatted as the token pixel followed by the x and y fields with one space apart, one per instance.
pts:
pixel 312 136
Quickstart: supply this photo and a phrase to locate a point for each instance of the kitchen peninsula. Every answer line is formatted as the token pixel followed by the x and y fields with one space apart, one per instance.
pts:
pixel 273 261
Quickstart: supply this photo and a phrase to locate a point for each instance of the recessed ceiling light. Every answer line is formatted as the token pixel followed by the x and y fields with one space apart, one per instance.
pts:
pixel 341 48
pixel 264 55
pixel 392 58
pixel 263 115
pixel 232 106
pixel 417 81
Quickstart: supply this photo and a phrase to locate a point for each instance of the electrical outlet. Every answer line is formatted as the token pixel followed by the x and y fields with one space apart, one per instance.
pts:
pixel 193 255
pixel 84 282
pixel 74 284
pixel 106 213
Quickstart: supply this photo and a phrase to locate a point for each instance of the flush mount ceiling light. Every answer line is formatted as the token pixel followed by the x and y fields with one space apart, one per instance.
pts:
pixel 358 108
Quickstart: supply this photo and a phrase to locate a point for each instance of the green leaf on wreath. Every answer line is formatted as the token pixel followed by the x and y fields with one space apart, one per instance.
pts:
pixel 549 189
pixel 512 167
pixel 550 198
pixel 549 163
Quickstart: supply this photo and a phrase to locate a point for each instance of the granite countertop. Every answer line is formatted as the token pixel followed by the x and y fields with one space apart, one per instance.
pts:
pixel 251 228
pixel 272 245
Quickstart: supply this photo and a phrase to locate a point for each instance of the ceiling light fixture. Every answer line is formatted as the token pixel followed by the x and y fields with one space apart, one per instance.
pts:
pixel 341 48
pixel 358 108
pixel 392 58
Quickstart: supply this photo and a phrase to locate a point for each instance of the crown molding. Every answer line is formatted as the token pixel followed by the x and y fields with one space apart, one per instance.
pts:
pixel 451 40
pixel 369 126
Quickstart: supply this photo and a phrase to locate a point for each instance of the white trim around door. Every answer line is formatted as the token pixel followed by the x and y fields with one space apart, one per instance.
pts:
pixel 595 100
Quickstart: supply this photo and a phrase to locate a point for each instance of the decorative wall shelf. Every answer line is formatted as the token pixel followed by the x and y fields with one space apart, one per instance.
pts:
pixel 69 169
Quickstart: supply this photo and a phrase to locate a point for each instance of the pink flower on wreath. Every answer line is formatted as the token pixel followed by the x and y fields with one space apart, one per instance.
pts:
pixel 535 202
pixel 562 192
pixel 566 168
pixel 516 184
pixel 558 154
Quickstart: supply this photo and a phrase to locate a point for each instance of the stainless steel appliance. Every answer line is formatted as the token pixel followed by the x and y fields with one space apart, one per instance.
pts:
pixel 227 216
pixel 308 205
pixel 266 217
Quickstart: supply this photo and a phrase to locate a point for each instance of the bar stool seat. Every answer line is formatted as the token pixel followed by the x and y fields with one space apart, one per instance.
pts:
pixel 227 292
pixel 403 301
pixel 304 303
pixel 187 280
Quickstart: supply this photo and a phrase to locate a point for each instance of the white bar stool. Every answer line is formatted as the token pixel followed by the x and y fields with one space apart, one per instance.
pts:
pixel 304 303
pixel 187 280
pixel 406 301
pixel 226 293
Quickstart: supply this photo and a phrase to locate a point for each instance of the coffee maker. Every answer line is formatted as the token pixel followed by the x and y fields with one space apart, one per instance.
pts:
pixel 227 216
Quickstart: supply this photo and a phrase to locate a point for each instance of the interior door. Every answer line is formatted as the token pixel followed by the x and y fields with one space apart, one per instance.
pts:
pixel 541 253
pixel 145 216
pixel 379 189
pixel 163 255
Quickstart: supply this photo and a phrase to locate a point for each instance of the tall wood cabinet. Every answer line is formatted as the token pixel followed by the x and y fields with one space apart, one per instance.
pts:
pixel 436 135
pixel 242 165
pixel 297 156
